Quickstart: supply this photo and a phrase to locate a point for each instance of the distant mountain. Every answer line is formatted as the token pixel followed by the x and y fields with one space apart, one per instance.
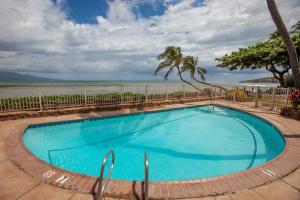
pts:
pixel 17 77
pixel 261 80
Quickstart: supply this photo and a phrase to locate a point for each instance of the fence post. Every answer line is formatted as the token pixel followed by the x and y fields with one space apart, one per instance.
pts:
pixel 121 94
pixel 183 88
pixel 146 93
pixel 215 91
pixel 256 97
pixel 287 97
pixel 40 98
pixel 167 92
pixel 273 99
pixel 85 97
pixel 234 93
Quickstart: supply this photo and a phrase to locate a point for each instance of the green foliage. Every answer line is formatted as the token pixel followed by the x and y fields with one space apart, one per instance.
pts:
pixel 289 81
pixel 271 55
pixel 172 58
pixel 260 55
pixel 53 101
pixel 190 64
pixel 239 94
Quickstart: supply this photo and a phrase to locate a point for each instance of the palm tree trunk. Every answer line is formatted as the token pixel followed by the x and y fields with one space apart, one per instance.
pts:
pixel 201 82
pixel 287 41
pixel 181 78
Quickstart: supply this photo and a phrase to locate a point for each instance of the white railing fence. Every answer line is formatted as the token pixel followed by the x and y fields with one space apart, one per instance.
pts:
pixel 22 98
pixel 65 96
pixel 268 98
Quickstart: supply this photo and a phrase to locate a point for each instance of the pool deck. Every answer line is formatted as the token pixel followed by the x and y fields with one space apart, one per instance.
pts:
pixel 21 178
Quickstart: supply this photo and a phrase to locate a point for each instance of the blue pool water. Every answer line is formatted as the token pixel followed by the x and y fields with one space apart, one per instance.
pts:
pixel 187 143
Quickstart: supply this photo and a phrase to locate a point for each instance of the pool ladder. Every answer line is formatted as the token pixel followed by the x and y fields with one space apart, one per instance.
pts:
pixel 212 96
pixel 146 178
pixel 102 185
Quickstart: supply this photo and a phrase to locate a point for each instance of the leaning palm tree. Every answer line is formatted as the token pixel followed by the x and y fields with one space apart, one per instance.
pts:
pixel 287 41
pixel 274 35
pixel 296 28
pixel 172 59
pixel 190 64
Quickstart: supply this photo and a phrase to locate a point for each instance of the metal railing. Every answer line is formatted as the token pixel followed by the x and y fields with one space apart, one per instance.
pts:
pixel 102 185
pixel 146 181
pixel 17 98
pixel 268 98
pixel 45 97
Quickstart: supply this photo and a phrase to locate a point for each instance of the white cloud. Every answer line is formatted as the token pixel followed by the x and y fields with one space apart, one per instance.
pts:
pixel 120 12
pixel 36 35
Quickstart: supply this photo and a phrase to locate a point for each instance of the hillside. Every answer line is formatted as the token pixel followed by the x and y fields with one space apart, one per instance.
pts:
pixel 261 80
pixel 17 77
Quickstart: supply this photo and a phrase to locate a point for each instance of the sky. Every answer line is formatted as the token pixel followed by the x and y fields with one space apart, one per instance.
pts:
pixel 120 39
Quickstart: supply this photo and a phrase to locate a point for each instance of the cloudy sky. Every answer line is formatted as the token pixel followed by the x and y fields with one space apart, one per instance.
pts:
pixel 120 39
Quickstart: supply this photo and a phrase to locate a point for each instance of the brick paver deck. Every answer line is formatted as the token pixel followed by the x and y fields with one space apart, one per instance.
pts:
pixel 20 177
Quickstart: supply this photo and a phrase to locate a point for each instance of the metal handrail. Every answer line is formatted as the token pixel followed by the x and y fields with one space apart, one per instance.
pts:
pixel 146 176
pixel 102 185
pixel 212 96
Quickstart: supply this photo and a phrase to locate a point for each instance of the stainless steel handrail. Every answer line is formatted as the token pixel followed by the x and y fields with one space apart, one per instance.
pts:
pixel 146 176
pixel 102 185
pixel 212 96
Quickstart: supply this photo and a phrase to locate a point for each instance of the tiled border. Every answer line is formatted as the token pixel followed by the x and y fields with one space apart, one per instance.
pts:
pixel 286 162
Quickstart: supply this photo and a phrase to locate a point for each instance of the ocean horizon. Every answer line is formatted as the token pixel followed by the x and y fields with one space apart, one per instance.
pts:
pixel 122 82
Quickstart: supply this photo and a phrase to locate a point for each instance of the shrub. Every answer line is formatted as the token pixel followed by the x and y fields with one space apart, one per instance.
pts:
pixel 289 81
pixel 240 94
pixel 295 98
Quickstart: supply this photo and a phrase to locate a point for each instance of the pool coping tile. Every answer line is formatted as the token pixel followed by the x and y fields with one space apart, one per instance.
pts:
pixel 287 162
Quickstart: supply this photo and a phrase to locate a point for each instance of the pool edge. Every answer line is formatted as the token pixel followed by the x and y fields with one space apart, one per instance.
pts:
pixel 246 179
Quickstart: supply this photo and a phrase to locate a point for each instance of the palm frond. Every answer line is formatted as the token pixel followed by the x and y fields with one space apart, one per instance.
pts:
pixel 189 64
pixel 201 72
pixel 169 72
pixel 163 65
pixel 296 28
pixel 274 35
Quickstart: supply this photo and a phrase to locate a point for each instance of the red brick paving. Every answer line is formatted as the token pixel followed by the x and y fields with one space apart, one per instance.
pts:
pixel 283 165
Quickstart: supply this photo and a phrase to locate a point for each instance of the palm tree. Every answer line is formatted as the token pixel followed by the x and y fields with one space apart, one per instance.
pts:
pixel 287 41
pixel 274 35
pixel 172 59
pixel 296 28
pixel 190 64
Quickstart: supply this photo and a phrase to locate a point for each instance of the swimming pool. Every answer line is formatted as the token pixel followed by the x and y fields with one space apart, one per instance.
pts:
pixel 188 143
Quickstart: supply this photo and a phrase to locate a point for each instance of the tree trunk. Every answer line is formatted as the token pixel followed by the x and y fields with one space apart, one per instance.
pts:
pixel 213 85
pixel 287 41
pixel 281 80
pixel 278 78
pixel 181 78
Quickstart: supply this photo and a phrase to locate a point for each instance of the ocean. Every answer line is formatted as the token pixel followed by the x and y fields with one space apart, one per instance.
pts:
pixel 19 89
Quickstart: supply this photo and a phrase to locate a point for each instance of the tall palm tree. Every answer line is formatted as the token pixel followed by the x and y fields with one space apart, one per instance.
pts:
pixel 172 59
pixel 287 41
pixel 190 64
